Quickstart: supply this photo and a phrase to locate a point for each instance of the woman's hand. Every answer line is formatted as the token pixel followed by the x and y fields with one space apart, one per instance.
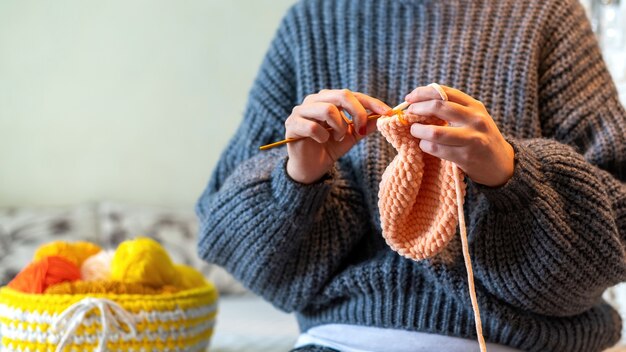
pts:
pixel 311 158
pixel 471 140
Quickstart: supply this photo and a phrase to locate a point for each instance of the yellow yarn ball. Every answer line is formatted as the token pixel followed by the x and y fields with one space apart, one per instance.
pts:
pixel 75 252
pixel 189 277
pixel 143 261
pixel 97 267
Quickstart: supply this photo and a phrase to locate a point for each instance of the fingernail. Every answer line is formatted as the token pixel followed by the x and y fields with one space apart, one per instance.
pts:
pixel 363 130
pixel 341 138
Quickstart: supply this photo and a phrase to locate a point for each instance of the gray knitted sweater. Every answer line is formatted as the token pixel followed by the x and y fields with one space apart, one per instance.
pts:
pixel 545 245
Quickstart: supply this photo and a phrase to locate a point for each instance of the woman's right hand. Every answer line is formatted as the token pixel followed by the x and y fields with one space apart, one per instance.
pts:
pixel 311 158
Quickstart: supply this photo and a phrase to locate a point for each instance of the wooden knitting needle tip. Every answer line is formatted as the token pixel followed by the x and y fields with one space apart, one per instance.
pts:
pixel 279 143
pixel 391 112
pixel 399 108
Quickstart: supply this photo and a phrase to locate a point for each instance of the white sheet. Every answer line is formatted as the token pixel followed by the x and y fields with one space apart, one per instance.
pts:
pixel 249 324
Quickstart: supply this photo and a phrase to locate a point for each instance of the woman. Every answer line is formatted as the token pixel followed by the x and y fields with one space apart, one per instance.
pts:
pixel 535 124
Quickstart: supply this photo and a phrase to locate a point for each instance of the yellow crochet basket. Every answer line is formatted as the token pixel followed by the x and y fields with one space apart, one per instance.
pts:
pixel 181 321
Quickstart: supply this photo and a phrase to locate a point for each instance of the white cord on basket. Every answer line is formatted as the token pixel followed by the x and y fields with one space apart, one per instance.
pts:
pixel 111 314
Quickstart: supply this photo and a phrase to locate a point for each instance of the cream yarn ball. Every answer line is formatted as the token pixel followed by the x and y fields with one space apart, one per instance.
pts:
pixel 97 267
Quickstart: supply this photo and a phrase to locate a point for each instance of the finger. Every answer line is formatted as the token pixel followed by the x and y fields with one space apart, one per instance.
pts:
pixel 298 126
pixel 423 94
pixel 324 112
pixel 345 118
pixel 445 152
pixel 373 104
pixel 430 93
pixel 451 136
pixel 449 111
pixel 460 97
pixel 346 100
pixel 371 128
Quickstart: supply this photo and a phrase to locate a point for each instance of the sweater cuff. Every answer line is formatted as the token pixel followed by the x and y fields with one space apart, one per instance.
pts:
pixel 296 197
pixel 522 187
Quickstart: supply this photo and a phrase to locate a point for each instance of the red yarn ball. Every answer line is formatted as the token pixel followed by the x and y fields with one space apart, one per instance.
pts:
pixel 48 271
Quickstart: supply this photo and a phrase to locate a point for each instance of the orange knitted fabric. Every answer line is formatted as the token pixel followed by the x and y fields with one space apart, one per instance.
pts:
pixel 421 199
pixel 417 197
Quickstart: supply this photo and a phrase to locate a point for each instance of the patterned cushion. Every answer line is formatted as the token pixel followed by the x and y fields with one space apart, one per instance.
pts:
pixel 22 230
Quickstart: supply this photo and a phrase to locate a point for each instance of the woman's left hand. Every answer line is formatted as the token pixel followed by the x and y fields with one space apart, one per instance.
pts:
pixel 471 139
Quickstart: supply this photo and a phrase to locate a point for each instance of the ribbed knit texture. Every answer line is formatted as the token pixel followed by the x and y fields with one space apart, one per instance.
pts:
pixel 544 246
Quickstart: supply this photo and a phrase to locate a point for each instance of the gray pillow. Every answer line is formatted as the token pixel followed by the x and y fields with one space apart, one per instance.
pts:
pixel 22 230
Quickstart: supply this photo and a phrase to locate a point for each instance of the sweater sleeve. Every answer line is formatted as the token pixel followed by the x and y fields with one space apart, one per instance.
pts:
pixel 281 239
pixel 551 240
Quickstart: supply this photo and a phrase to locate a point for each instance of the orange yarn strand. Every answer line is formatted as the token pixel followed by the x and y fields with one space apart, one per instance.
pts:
pixel 401 118
pixel 465 243
pixel 468 261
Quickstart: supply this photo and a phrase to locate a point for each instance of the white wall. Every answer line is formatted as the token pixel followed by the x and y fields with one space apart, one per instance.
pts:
pixel 123 100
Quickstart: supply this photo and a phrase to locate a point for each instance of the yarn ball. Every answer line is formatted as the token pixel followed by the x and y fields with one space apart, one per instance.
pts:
pixel 107 287
pixel 45 272
pixel 143 261
pixel 75 252
pixel 189 277
pixel 97 267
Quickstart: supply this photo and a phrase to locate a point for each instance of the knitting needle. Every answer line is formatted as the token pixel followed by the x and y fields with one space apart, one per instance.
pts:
pixel 393 111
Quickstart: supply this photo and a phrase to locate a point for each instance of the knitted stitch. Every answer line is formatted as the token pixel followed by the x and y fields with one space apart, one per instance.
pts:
pixel 410 215
pixel 544 246
pixel 417 196
pixel 177 322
